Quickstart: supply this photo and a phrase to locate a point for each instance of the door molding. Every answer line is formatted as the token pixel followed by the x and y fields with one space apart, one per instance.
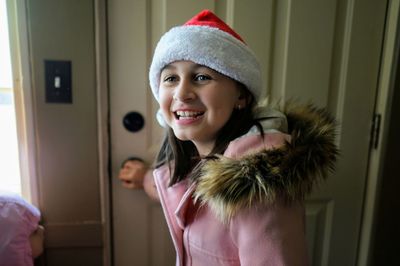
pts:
pixel 390 55
pixel 24 100
pixel 102 91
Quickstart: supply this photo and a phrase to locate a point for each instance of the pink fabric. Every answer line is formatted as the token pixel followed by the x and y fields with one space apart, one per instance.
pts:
pixel 264 235
pixel 253 143
pixel 170 198
pixel 18 220
pixel 271 235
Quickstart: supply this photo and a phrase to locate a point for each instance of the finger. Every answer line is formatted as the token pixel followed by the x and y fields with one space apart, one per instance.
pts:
pixel 131 185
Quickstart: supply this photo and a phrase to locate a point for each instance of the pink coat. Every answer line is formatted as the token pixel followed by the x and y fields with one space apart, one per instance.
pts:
pixel 262 234
pixel 18 220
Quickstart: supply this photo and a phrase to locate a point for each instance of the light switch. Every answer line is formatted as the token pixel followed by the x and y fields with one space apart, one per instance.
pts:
pixel 58 81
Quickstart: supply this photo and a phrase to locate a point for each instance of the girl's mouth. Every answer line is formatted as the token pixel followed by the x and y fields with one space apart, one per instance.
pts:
pixel 187 115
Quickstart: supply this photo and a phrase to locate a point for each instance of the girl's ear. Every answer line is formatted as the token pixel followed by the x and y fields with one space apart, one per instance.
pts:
pixel 241 102
pixel 245 97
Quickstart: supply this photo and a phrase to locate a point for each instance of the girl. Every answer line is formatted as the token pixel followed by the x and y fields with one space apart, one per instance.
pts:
pixel 231 177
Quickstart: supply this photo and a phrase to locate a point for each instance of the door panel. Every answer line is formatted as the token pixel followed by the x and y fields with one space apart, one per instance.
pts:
pixel 326 52
pixel 132 212
pixel 307 46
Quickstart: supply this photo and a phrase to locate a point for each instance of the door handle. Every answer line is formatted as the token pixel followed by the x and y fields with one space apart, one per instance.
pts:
pixel 133 121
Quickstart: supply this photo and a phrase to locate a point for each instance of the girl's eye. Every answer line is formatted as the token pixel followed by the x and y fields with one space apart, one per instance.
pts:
pixel 201 77
pixel 169 79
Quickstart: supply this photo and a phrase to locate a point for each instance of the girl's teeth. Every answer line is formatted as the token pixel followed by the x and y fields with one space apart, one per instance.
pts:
pixel 184 114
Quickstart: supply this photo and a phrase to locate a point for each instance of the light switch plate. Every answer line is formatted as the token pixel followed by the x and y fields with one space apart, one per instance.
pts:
pixel 58 81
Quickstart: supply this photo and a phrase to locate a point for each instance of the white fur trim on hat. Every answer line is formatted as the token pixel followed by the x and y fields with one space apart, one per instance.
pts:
pixel 209 47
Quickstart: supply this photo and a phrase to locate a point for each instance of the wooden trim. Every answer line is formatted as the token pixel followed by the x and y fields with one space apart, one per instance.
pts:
pixel 383 107
pixel 100 17
pixel 23 97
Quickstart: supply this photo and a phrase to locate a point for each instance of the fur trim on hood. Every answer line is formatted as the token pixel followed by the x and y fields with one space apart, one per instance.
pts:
pixel 288 172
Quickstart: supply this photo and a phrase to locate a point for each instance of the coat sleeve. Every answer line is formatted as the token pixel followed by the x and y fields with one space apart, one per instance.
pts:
pixel 270 235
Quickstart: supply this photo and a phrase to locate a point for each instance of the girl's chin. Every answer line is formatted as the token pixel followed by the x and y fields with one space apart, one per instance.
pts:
pixel 183 136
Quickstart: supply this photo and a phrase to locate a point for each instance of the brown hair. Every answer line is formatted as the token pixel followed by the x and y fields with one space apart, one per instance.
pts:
pixel 182 156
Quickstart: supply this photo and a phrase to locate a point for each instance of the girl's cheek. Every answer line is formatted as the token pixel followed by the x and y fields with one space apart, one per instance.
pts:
pixel 165 100
pixel 212 99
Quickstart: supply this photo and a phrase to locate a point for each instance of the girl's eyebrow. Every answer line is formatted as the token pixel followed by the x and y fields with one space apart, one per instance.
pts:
pixel 197 67
pixel 168 67
pixel 192 68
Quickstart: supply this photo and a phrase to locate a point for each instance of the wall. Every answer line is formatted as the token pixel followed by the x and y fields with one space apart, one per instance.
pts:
pixel 67 140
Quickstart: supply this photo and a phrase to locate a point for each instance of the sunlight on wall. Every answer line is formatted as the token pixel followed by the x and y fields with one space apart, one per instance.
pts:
pixel 9 163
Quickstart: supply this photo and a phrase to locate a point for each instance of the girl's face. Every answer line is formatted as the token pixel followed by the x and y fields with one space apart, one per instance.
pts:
pixel 197 101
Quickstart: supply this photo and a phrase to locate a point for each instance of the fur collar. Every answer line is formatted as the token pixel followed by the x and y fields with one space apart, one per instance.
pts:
pixel 287 173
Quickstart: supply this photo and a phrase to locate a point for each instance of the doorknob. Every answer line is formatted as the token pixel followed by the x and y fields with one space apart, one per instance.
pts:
pixel 133 121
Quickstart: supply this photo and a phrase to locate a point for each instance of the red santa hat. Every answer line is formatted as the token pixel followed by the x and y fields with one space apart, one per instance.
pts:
pixel 207 40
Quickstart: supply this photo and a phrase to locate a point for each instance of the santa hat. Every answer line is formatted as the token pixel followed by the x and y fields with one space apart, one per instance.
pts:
pixel 206 40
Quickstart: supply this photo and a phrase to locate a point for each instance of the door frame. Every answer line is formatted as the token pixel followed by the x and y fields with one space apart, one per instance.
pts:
pixel 103 127
pixel 23 98
pixel 383 104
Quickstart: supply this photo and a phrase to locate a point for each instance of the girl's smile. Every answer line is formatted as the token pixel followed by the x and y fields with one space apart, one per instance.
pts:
pixel 197 101
pixel 187 117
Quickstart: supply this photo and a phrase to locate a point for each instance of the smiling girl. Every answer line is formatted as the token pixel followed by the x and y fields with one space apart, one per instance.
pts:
pixel 197 102
pixel 231 177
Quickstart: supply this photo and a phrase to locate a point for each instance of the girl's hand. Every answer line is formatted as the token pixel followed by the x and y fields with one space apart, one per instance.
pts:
pixel 36 240
pixel 132 174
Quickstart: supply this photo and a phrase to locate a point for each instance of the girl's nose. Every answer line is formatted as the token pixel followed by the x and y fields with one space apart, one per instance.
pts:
pixel 184 91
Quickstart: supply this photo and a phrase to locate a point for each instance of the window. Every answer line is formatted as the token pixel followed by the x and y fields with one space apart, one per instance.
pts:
pixel 10 179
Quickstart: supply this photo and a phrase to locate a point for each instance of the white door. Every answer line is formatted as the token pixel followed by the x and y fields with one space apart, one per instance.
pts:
pixel 325 51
